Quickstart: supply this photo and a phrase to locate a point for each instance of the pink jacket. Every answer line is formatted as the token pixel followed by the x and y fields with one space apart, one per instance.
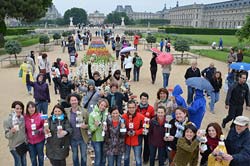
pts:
pixel 37 136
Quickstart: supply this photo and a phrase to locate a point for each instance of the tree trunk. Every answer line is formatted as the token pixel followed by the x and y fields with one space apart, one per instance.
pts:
pixel 16 59
pixel 1 40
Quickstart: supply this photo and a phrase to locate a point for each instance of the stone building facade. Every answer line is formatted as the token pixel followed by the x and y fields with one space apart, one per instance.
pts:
pixel 229 14
pixel 96 18
pixel 52 14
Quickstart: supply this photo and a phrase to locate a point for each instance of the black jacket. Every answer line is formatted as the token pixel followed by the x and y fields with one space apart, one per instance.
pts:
pixel 217 84
pixel 237 94
pixel 119 98
pixel 208 72
pixel 192 73
pixel 153 63
pixel 65 88
pixel 238 145
pixel 98 82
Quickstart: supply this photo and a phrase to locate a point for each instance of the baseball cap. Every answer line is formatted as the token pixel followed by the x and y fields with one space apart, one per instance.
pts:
pixel 241 121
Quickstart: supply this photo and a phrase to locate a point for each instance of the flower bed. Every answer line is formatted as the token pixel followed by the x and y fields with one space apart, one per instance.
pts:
pixel 98 51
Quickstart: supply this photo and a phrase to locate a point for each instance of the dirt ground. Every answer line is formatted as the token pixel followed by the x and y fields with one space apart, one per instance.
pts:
pixel 12 89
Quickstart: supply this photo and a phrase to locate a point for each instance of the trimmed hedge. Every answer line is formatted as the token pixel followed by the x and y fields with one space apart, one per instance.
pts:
pixel 17 31
pixel 197 31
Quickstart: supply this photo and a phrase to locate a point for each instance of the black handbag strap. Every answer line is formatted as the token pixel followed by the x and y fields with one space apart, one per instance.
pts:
pixel 86 105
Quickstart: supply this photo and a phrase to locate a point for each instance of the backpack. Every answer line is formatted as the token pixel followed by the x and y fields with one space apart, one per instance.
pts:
pixel 138 62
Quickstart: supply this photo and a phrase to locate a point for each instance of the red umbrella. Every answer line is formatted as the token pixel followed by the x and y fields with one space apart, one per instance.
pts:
pixel 155 50
pixel 164 58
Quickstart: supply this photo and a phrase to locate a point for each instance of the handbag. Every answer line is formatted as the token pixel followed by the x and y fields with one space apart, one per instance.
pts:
pixel 20 73
pixel 22 149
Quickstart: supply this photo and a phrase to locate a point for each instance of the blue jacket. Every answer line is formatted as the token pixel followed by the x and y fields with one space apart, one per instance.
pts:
pixel 238 145
pixel 197 109
pixel 180 101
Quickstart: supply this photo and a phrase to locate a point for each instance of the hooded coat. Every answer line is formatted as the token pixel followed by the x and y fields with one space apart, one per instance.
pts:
pixel 180 101
pixel 197 109
pixel 41 89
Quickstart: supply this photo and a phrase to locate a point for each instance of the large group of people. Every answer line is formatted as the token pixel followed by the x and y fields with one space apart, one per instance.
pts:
pixel 112 123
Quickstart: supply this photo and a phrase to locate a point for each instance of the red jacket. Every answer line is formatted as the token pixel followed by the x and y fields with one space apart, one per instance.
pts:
pixel 146 112
pixel 137 121
pixel 136 41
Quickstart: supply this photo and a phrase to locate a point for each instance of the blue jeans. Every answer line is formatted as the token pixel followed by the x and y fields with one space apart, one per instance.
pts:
pixel 19 160
pixel 161 155
pixel 42 106
pixel 112 159
pixel 214 98
pixel 136 73
pixel 137 154
pixel 190 96
pixel 83 149
pixel 29 88
pixel 36 150
pixel 100 159
pixel 165 79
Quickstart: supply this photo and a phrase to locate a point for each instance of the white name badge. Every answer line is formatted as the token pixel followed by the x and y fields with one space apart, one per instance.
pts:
pixel 59 127
pixel 123 130
pixel 167 134
pixel 131 125
pixel 33 126
pixel 167 125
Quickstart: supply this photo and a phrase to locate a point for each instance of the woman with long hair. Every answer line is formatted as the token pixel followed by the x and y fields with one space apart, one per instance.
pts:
pixel 216 82
pixel 14 128
pixel 35 135
pixel 57 146
pixel 153 67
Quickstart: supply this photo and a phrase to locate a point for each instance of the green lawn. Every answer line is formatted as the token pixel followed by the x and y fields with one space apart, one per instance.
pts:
pixel 217 55
pixel 2 52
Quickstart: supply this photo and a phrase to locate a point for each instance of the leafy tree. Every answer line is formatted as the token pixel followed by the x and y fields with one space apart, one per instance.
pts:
pixel 151 39
pixel 28 10
pixel 56 36
pixel 13 47
pixel 44 39
pixel 2 32
pixel 115 18
pixel 79 16
pixel 181 45
pixel 66 33
pixel 244 32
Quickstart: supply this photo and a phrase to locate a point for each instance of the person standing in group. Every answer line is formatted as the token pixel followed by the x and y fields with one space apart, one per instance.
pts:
pixel 137 61
pixel 116 98
pixel 197 108
pixel 30 61
pixel 192 71
pixel 32 55
pixel 25 69
pixel 114 139
pixel 44 66
pixel 98 126
pixel 117 79
pixel 134 121
pixel 166 69
pixel 238 143
pixel 236 96
pixel 55 75
pixel 41 93
pixel 187 147
pixel 161 45
pixel 14 128
pixel 96 76
pixel 57 146
pixel 128 64
pixel 78 119
pixel 156 136
pixel 216 82
pixel 209 72
pixel 162 98
pixel 232 57
pixel 35 135
pixel 148 112
pixel 180 101
pixel 213 133
pixel 118 47
pixel 153 67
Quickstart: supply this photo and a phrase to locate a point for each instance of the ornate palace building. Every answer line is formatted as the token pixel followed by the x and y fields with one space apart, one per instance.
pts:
pixel 229 14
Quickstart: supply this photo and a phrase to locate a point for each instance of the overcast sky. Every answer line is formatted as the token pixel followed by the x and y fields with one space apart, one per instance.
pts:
pixel 107 6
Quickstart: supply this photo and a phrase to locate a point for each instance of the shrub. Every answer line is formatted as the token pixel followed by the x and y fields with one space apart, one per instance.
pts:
pixel 66 33
pixel 13 47
pixel 181 45
pixel 151 39
pixel 18 31
pixel 56 36
pixel 44 39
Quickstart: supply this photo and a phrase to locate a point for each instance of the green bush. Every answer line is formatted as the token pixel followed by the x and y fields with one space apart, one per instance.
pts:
pixel 204 31
pixel 18 31
pixel 129 33
pixel 13 47
pixel 44 39
pixel 66 33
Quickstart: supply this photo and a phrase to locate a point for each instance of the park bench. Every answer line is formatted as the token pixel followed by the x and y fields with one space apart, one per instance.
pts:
pixel 12 60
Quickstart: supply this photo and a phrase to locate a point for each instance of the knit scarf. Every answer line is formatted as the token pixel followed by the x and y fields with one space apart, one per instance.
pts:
pixel 212 142
pixel 142 106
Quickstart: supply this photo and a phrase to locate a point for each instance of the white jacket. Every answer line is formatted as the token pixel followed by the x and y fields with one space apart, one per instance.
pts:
pixel 128 62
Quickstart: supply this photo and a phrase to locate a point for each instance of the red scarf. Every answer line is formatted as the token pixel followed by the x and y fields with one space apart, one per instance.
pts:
pixel 212 142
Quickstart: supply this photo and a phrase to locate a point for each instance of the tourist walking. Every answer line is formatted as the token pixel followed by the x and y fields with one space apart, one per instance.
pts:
pixel 118 47
pixel 14 129
pixel 240 56
pixel 134 121
pixel 25 69
pixel 236 96
pixel 216 82
pixel 35 135
pixel 209 72
pixel 41 93
pixel 153 67
pixel 192 71
pixel 179 100
pixel 161 45
pixel 57 146
pixel 166 69
pixel 98 126
pixel 78 119
pixel 128 64
pixel 114 140
pixel 137 61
